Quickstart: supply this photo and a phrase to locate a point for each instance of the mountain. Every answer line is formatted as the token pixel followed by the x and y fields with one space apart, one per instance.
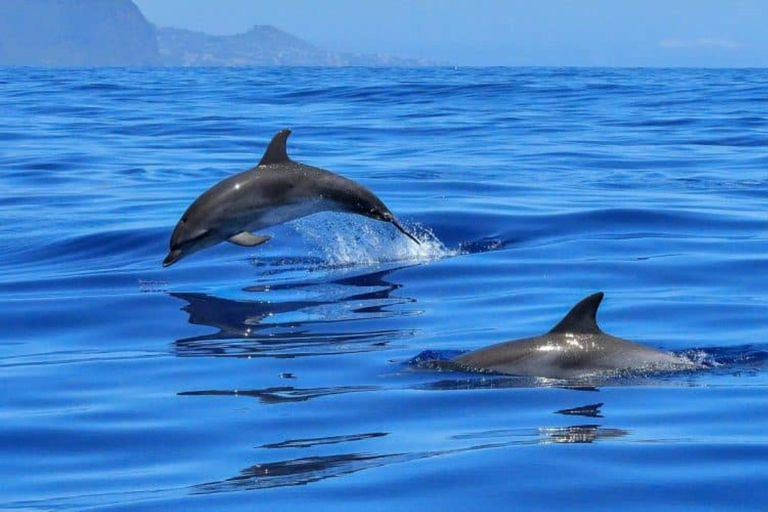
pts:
pixel 115 33
pixel 75 33
pixel 262 45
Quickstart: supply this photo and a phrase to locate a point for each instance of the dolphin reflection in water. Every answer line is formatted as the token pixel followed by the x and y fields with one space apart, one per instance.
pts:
pixel 320 317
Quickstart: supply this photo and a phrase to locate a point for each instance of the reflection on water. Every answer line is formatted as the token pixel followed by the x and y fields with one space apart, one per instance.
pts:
pixel 300 471
pixel 580 434
pixel 296 319
pixel 318 441
pixel 306 470
pixel 282 394
pixel 589 411
pixel 549 435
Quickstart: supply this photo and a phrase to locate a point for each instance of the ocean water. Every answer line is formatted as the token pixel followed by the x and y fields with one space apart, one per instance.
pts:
pixel 283 376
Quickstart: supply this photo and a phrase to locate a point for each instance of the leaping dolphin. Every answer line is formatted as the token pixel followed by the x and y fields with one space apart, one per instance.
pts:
pixel 576 347
pixel 277 190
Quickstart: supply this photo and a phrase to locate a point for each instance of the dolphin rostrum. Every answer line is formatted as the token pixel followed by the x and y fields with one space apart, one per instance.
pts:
pixel 277 190
pixel 576 347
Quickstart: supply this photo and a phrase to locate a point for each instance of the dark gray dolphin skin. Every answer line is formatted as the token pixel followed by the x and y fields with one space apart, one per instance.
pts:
pixel 574 348
pixel 277 190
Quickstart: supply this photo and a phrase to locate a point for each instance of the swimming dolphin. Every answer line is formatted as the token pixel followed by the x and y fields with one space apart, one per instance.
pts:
pixel 277 190
pixel 576 347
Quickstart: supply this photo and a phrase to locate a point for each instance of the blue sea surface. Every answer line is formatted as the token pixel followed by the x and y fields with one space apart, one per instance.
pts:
pixel 283 377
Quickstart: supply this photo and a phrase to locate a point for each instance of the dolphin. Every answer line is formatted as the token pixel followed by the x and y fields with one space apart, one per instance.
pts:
pixel 277 190
pixel 576 347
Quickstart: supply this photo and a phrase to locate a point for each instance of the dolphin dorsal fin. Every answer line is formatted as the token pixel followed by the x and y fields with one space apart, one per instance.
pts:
pixel 276 152
pixel 582 318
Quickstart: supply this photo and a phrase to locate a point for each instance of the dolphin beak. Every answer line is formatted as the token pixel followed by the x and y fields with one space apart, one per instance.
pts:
pixel 402 230
pixel 173 257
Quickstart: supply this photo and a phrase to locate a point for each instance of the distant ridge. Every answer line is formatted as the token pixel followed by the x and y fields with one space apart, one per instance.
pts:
pixel 116 33
pixel 262 45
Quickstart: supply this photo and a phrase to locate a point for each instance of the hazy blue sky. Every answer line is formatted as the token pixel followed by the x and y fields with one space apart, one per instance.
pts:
pixel 502 32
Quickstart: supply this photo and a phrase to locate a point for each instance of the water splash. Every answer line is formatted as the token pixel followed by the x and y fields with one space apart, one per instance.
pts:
pixel 344 240
pixel 700 358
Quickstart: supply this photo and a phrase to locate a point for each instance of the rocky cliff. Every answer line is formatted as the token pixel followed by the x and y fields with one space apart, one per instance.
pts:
pixel 75 33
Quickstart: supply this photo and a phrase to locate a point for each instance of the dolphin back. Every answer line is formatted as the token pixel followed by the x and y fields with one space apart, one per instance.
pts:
pixel 576 347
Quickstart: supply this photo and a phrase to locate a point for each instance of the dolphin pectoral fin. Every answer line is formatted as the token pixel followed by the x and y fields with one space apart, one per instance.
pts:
pixel 246 239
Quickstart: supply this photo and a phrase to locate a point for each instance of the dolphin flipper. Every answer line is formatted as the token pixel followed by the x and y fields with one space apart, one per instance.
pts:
pixel 246 239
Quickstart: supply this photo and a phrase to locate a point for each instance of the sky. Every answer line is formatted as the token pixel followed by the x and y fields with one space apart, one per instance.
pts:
pixel 699 33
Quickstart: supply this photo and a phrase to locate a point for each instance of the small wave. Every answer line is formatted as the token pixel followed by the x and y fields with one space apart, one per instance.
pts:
pixel 100 86
pixel 486 244
pixel 736 359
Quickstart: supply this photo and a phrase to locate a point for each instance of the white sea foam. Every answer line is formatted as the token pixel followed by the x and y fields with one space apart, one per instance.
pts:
pixel 348 240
